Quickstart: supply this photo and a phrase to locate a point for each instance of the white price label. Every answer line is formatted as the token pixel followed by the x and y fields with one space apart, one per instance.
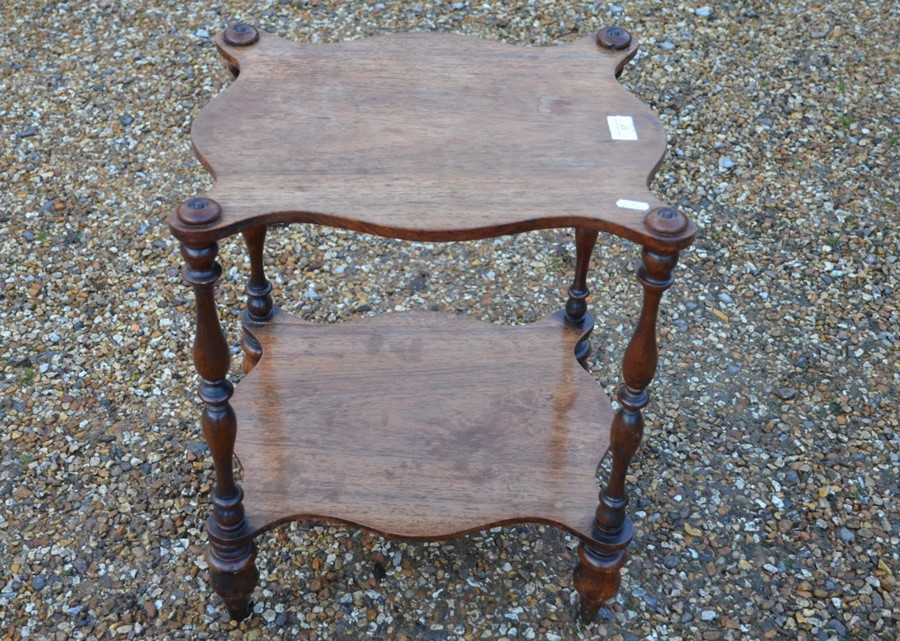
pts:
pixel 639 205
pixel 622 128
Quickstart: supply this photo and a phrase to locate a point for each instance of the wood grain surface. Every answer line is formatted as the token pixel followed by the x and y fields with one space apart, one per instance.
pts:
pixel 428 136
pixel 420 425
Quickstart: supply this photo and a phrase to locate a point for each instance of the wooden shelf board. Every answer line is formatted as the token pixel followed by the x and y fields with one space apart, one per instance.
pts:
pixel 420 425
pixel 429 136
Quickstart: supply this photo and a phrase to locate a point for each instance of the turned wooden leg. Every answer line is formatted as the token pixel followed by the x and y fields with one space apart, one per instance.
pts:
pixel 259 297
pixel 597 573
pixel 576 305
pixel 231 556
pixel 231 553
pixel 596 579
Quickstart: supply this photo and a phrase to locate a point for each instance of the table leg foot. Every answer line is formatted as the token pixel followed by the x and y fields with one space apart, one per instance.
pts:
pixel 234 579
pixel 596 579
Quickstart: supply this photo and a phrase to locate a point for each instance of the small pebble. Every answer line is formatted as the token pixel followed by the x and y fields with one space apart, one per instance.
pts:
pixel 786 393
pixel 839 628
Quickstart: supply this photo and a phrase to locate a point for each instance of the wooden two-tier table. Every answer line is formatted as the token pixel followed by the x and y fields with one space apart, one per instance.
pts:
pixel 423 425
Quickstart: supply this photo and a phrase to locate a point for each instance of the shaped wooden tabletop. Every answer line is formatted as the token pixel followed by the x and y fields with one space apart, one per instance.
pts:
pixel 429 136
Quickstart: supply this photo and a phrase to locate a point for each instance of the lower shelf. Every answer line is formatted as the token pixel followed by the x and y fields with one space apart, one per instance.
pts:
pixel 420 425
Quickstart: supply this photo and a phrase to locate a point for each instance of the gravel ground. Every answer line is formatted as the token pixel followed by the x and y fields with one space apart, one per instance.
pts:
pixel 765 494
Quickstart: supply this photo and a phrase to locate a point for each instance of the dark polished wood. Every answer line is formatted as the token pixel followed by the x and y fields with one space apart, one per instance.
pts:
pixel 259 296
pixel 576 305
pixel 421 425
pixel 429 136
pixel 231 556
pixel 597 572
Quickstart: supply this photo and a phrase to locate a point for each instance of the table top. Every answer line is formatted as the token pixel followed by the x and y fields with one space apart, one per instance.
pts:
pixel 431 136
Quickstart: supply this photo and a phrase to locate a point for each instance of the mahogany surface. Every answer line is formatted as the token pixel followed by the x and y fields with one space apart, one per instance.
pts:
pixel 421 425
pixel 428 136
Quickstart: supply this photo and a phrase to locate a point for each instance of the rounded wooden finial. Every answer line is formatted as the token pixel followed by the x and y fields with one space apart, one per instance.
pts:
pixel 613 38
pixel 241 35
pixel 666 221
pixel 199 211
